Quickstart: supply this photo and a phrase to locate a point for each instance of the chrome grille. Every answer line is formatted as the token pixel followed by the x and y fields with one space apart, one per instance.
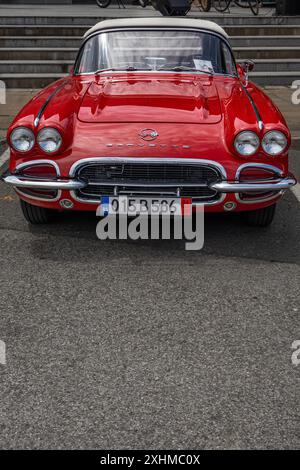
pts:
pixel 147 173
pixel 158 179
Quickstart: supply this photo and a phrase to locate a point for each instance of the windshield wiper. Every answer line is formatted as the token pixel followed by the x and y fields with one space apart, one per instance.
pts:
pixel 104 70
pixel 183 68
pixel 177 68
pixel 130 68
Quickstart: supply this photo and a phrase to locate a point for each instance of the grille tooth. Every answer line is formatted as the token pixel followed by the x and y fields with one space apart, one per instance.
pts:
pixel 102 177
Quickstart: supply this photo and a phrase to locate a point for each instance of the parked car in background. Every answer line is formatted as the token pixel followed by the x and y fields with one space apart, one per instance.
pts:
pixel 154 108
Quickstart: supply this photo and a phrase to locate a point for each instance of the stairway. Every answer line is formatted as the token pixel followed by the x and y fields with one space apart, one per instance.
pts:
pixel 34 51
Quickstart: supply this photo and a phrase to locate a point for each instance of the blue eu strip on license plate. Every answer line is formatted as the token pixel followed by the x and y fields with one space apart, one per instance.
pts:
pixel 105 205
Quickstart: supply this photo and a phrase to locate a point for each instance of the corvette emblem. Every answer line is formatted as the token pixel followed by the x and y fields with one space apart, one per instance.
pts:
pixel 149 134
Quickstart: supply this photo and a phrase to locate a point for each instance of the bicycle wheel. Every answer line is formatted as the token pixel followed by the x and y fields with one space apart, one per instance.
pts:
pixel 222 5
pixel 103 4
pixel 205 4
pixel 254 6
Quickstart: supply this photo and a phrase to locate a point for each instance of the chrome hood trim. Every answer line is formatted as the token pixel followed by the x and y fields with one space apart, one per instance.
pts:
pixel 41 111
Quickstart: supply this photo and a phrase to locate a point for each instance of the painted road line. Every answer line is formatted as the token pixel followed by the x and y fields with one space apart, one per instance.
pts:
pixel 296 191
pixel 2 352
pixel 4 158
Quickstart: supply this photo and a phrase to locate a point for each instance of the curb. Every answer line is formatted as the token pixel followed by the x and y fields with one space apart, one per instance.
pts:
pixel 3 145
pixel 4 157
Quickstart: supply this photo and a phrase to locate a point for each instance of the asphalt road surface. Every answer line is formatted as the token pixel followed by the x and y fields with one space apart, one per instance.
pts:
pixel 123 344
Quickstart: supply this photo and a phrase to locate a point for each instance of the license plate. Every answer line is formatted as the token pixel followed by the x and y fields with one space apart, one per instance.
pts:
pixel 124 205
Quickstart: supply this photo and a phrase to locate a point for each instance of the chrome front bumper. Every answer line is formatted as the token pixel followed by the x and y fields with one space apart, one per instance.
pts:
pixel 254 187
pixel 221 187
pixel 57 184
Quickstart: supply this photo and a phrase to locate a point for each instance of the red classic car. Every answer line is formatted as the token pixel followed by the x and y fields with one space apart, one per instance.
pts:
pixel 154 107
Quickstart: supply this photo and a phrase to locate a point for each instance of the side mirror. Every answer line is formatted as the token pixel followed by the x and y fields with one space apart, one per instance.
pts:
pixel 244 68
pixel 71 71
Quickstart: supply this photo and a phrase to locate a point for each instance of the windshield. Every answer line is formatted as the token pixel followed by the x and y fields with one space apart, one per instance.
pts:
pixel 156 51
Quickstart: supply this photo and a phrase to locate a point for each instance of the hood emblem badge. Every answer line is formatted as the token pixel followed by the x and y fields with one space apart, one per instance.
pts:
pixel 149 134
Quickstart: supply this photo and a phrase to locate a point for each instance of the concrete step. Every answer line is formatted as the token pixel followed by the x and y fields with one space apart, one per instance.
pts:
pixel 267 52
pixel 79 30
pixel 31 80
pixel 223 20
pixel 234 20
pixel 40 41
pixel 265 41
pixel 277 65
pixel 263 30
pixel 274 78
pixel 43 30
pixel 36 54
pixel 35 67
pixel 68 41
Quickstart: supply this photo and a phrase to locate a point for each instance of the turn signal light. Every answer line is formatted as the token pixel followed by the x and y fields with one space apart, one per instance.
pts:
pixel 39 171
pixel 256 173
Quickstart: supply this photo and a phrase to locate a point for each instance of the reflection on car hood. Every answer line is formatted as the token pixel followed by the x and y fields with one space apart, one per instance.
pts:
pixel 176 99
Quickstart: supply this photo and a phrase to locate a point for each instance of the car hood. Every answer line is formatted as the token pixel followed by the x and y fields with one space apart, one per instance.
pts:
pixel 157 100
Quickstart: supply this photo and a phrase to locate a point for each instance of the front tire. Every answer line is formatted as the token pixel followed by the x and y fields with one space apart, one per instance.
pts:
pixel 36 215
pixel 261 217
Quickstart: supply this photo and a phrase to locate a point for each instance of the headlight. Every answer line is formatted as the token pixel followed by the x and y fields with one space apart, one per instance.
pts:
pixel 49 139
pixel 22 139
pixel 247 143
pixel 274 143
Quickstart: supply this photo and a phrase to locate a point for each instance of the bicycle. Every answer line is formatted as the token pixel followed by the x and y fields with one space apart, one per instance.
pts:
pixel 165 8
pixel 205 5
pixel 106 3
pixel 223 5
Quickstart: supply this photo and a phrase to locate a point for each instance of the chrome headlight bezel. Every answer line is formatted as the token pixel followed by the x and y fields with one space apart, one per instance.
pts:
pixel 25 132
pixel 277 137
pixel 247 136
pixel 49 135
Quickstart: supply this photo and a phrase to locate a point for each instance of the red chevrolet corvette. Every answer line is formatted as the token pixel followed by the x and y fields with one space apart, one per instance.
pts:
pixel 154 108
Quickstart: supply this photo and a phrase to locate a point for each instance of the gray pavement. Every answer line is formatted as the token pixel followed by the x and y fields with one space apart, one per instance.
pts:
pixel 144 345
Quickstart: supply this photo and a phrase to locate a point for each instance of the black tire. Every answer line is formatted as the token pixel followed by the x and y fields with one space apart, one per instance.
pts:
pixel 261 217
pixel 103 4
pixel 205 5
pixel 36 215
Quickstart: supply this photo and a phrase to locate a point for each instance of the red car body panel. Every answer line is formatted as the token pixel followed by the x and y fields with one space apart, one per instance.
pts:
pixel 151 100
pixel 195 116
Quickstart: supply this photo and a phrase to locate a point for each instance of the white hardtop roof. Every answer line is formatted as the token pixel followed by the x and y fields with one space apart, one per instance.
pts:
pixel 163 22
